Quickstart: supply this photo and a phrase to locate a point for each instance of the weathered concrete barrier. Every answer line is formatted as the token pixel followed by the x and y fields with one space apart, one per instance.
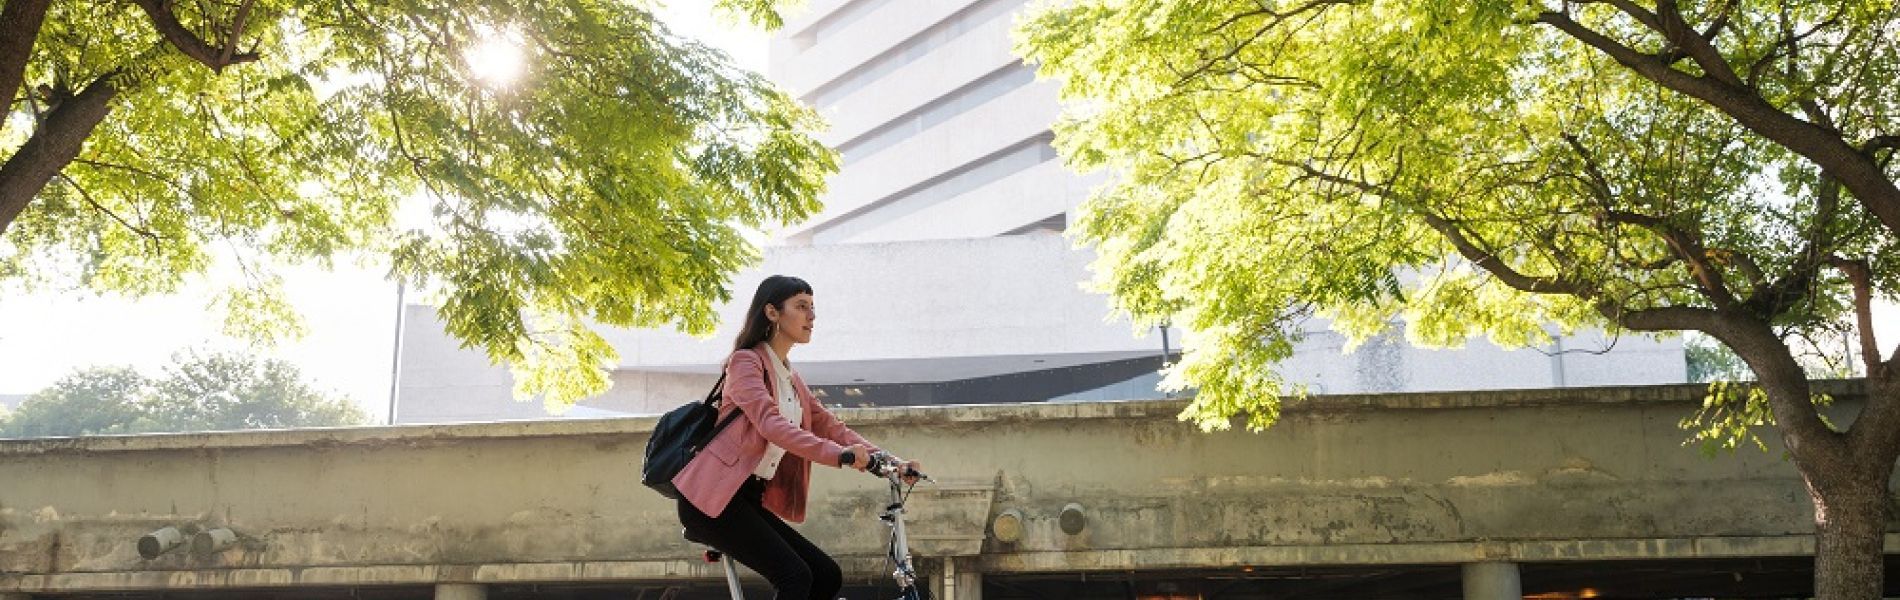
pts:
pixel 1474 478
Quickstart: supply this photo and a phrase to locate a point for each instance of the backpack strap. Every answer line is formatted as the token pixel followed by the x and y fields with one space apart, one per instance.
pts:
pixel 713 400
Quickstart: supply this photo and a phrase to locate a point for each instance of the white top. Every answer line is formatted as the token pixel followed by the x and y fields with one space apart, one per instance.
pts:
pixel 788 405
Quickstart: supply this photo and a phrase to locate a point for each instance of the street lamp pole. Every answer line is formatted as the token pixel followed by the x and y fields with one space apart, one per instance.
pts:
pixel 395 353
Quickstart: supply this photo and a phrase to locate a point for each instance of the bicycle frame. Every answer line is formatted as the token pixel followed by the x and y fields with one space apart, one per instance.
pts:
pixel 885 467
pixel 905 572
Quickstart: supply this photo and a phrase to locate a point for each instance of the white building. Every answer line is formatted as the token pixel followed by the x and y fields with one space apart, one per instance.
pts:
pixel 939 270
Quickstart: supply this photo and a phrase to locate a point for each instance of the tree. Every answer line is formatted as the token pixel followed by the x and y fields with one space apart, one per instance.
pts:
pixel 224 391
pixel 102 400
pixel 1487 167
pixel 199 392
pixel 605 180
pixel 1710 361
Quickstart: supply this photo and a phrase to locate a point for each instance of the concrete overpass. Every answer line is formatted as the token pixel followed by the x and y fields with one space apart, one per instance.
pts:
pixel 1571 491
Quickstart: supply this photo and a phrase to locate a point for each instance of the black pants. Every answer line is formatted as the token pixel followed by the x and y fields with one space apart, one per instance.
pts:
pixel 758 539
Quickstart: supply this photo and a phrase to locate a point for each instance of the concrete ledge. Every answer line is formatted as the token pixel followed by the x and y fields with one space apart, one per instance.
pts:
pixel 422 435
pixel 870 567
pixel 1408 554
pixel 396 575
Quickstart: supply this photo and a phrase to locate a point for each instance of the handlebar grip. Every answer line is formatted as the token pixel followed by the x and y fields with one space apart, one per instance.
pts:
pixel 883 462
pixel 847 457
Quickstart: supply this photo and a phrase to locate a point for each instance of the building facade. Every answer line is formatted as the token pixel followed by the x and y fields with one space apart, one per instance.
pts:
pixel 941 271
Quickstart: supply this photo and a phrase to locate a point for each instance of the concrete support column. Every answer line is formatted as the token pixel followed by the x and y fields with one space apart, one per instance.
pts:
pixel 930 577
pixel 461 591
pixel 1492 581
pixel 969 585
pixel 956 581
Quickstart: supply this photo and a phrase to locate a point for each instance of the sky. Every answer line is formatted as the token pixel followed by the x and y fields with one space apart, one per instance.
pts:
pixel 349 313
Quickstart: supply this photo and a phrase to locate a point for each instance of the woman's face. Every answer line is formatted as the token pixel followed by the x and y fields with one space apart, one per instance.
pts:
pixel 795 320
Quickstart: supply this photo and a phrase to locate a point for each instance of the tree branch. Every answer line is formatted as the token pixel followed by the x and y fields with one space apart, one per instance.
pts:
pixel 1770 300
pixel 1743 262
pixel 1682 35
pixel 1642 15
pixel 150 237
pixel 187 42
pixel 1450 231
pixel 1721 21
pixel 54 144
pixel 1860 275
pixel 1668 318
pixel 174 185
pixel 1876 431
pixel 19 26
pixel 1821 146
pixel 1790 400
pixel 237 29
pixel 1878 143
pixel 1597 181
pixel 1710 279
pixel 1275 19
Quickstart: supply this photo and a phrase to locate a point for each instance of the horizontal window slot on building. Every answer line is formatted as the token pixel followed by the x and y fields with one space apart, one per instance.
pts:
pixel 936 112
pixel 835 22
pixel 1054 224
pixel 971 176
pixel 910 50
pixel 1126 379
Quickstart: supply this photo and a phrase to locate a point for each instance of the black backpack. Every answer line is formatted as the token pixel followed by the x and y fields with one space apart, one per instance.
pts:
pixel 678 437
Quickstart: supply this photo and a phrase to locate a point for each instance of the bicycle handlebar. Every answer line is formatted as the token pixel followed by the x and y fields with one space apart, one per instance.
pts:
pixel 884 465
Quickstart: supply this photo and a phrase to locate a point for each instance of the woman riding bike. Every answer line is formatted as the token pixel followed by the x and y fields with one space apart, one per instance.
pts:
pixel 753 477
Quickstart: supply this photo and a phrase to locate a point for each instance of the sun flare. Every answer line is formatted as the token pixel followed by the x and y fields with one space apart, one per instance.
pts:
pixel 497 59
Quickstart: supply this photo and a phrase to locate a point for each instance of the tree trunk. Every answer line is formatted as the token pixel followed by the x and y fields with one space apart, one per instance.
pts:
pixel 1846 473
pixel 55 144
pixel 1850 522
pixel 19 26
pixel 1852 505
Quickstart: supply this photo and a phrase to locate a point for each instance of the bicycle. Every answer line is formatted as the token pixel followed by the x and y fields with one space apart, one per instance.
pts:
pixel 884 466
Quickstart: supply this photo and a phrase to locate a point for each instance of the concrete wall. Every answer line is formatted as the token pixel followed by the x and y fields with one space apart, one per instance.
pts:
pixel 1399 479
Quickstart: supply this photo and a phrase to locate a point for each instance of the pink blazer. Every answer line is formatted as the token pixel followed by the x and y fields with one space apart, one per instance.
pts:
pixel 714 476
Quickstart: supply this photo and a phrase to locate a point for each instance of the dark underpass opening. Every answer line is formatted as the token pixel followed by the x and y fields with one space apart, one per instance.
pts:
pixel 1736 578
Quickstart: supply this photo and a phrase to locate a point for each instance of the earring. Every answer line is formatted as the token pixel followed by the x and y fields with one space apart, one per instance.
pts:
pixel 772 331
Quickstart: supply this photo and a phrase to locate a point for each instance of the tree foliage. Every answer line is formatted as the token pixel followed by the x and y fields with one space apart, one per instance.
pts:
pixel 607 183
pixel 103 400
pixel 1278 159
pixel 198 392
pixel 1487 167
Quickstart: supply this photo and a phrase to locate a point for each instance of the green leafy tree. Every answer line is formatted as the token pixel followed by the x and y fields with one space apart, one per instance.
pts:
pixel 1710 361
pixel 102 400
pixel 1725 167
pixel 606 182
pixel 224 391
pixel 199 392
